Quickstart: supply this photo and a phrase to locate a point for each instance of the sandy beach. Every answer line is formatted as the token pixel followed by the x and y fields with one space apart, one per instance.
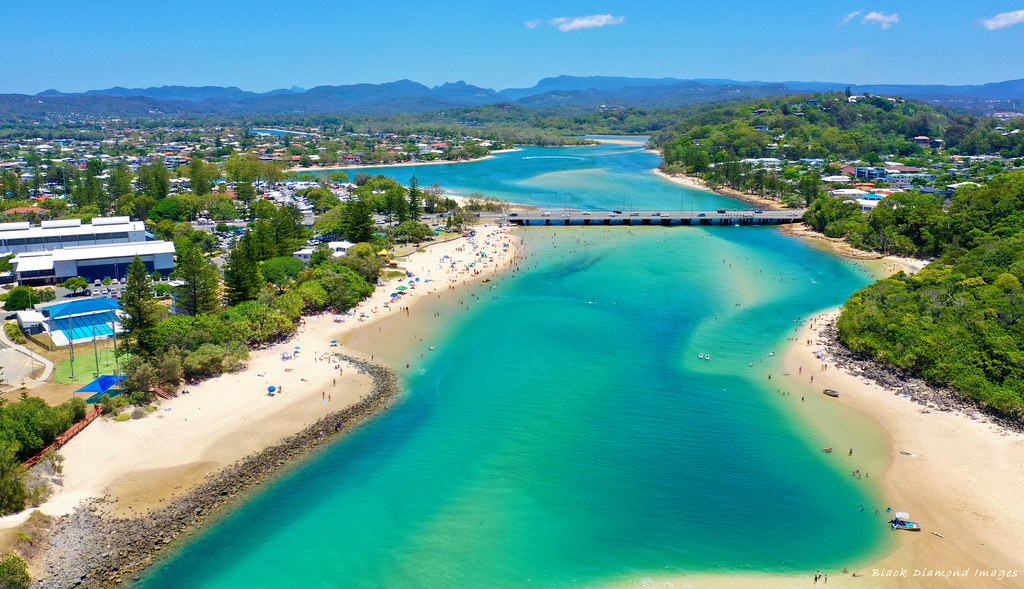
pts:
pixel 611 141
pixel 698 184
pixel 335 168
pixel 143 464
pixel 959 475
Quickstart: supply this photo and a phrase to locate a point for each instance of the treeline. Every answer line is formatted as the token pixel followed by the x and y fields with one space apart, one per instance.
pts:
pixel 915 224
pixel 828 126
pixel 958 321
pixel 26 428
pixel 263 294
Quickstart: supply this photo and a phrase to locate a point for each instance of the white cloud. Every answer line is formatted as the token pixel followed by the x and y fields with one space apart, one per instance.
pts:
pixel 846 19
pixel 881 19
pixel 575 23
pixel 1003 20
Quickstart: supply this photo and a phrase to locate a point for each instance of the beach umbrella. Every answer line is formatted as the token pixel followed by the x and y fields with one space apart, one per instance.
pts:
pixel 271 389
pixel 334 341
pixel 401 288
pixel 298 347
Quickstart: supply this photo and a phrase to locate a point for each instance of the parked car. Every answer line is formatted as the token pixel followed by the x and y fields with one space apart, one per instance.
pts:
pixel 721 211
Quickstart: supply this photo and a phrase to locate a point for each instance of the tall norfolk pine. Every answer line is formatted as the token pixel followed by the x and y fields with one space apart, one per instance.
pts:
pixel 200 291
pixel 139 310
pixel 242 278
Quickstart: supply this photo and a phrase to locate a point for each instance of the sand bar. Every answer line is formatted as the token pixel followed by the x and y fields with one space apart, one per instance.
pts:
pixel 490 155
pixel 961 477
pixel 143 464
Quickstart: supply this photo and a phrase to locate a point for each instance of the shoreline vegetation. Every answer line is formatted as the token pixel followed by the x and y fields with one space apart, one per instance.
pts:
pixel 939 446
pixel 699 184
pixel 229 433
pixel 490 155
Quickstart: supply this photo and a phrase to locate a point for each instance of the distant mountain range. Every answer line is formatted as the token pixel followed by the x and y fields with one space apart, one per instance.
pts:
pixel 408 96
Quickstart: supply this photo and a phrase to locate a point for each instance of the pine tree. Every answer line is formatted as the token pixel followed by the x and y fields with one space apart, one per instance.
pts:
pixel 359 220
pixel 242 278
pixel 139 311
pixel 415 199
pixel 200 291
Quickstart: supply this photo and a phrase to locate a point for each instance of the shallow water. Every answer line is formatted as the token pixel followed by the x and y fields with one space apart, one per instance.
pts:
pixel 602 177
pixel 567 430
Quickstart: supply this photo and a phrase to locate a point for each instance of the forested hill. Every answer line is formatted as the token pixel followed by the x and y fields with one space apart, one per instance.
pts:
pixel 829 125
pixel 960 321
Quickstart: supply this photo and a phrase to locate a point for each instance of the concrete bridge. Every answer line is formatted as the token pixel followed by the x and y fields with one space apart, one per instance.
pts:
pixel 711 217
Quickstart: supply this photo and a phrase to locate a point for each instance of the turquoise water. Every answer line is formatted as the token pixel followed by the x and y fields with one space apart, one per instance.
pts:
pixel 566 431
pixel 603 177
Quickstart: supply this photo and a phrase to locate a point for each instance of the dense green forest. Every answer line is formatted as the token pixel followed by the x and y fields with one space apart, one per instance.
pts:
pixel 958 321
pixel 827 126
pixel 26 427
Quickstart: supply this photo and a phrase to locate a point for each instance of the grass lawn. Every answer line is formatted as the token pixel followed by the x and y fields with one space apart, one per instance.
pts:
pixel 85 365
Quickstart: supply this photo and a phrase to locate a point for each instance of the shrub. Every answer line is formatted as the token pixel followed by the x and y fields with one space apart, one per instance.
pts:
pixel 138 413
pixel 140 398
pixel 113 405
pixel 14 333
pixel 123 417
pixel 206 361
pixel 55 460
pixel 14 573
pixel 36 496
pixel 21 298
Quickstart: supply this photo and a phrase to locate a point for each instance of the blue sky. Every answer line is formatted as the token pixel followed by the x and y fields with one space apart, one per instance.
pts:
pixel 75 45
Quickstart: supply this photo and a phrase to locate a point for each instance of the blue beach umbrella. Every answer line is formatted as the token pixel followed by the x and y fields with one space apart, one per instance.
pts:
pixel 271 389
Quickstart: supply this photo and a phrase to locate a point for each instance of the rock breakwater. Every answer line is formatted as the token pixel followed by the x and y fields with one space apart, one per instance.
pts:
pixel 930 397
pixel 88 548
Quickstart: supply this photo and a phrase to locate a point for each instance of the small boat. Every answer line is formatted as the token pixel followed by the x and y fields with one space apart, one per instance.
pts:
pixel 831 393
pixel 902 522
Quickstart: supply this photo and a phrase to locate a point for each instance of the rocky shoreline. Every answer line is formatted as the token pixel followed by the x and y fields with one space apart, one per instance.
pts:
pixel 928 396
pixel 90 549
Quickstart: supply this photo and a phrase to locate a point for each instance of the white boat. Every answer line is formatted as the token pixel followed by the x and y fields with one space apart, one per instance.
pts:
pixel 902 522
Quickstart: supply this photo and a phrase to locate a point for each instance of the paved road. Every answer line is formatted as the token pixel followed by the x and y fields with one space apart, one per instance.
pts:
pixel 17 363
pixel 14 366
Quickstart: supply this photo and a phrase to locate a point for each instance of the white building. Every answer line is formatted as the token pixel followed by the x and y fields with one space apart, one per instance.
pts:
pixel 338 249
pixel 22 237
pixel 94 262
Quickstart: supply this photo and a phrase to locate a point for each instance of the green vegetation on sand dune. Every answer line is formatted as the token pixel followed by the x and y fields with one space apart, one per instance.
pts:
pixel 958 321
